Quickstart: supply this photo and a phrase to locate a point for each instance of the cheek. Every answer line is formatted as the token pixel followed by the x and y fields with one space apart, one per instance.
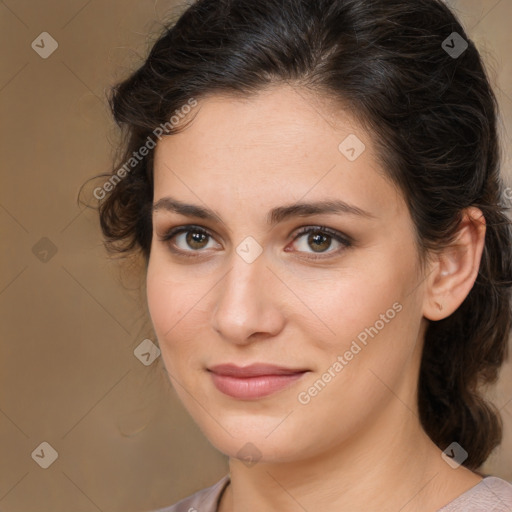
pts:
pixel 174 308
pixel 375 316
pixel 159 300
pixel 165 304
pixel 356 304
pixel 168 297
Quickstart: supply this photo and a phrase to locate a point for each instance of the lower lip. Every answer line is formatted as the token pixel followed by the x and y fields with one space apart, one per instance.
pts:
pixel 253 387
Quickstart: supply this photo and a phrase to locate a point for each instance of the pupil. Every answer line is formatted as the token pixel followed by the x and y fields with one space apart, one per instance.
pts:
pixel 195 237
pixel 318 238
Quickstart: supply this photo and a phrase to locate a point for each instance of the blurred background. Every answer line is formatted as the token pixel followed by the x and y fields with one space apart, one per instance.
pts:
pixel 88 421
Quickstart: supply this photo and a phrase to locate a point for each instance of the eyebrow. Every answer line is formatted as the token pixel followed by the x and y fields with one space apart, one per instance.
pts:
pixel 274 216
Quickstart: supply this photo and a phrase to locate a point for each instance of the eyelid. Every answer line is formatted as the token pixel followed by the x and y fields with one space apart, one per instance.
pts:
pixel 345 240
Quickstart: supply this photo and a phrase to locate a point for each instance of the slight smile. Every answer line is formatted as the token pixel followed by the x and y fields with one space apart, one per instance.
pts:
pixel 254 381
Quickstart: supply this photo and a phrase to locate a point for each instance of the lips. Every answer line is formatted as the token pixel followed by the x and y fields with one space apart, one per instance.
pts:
pixel 253 370
pixel 254 381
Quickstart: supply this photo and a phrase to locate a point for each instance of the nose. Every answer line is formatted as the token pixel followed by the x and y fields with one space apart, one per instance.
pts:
pixel 247 306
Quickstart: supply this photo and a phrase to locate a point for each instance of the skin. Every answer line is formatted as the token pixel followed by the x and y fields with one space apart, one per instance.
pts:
pixel 358 444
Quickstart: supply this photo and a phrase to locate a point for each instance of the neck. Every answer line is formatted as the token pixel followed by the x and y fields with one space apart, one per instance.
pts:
pixel 373 470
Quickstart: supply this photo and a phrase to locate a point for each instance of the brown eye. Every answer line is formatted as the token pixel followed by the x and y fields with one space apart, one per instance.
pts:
pixel 320 239
pixel 187 240
pixel 195 239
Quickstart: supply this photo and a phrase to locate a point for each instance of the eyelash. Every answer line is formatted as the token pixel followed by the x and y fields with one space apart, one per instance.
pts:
pixel 343 239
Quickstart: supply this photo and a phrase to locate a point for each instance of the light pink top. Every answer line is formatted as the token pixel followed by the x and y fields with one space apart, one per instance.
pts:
pixel 492 494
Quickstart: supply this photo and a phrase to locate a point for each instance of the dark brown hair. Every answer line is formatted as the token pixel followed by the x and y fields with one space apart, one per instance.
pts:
pixel 428 103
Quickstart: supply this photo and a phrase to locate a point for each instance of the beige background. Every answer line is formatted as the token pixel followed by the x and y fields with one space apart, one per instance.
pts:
pixel 69 323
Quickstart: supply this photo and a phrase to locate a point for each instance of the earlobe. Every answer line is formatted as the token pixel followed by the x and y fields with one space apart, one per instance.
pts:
pixel 455 268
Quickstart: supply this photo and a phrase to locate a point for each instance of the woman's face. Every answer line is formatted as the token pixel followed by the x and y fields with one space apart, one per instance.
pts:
pixel 348 325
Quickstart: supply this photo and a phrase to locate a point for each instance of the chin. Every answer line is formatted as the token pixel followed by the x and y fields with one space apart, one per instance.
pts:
pixel 256 439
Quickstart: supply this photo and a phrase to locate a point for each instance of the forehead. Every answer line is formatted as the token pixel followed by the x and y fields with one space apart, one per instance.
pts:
pixel 276 121
pixel 280 144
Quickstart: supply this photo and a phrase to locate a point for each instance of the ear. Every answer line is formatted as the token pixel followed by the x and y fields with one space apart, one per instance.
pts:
pixel 453 270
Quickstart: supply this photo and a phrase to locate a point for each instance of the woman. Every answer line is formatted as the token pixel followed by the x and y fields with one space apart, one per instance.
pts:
pixel 314 187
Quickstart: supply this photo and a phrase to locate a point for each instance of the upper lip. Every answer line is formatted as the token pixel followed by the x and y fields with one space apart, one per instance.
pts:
pixel 253 370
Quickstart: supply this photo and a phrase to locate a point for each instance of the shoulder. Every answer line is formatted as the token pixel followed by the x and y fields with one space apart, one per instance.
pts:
pixel 492 493
pixel 204 500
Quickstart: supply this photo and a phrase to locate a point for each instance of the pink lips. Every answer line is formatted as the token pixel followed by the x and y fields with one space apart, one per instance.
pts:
pixel 254 381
